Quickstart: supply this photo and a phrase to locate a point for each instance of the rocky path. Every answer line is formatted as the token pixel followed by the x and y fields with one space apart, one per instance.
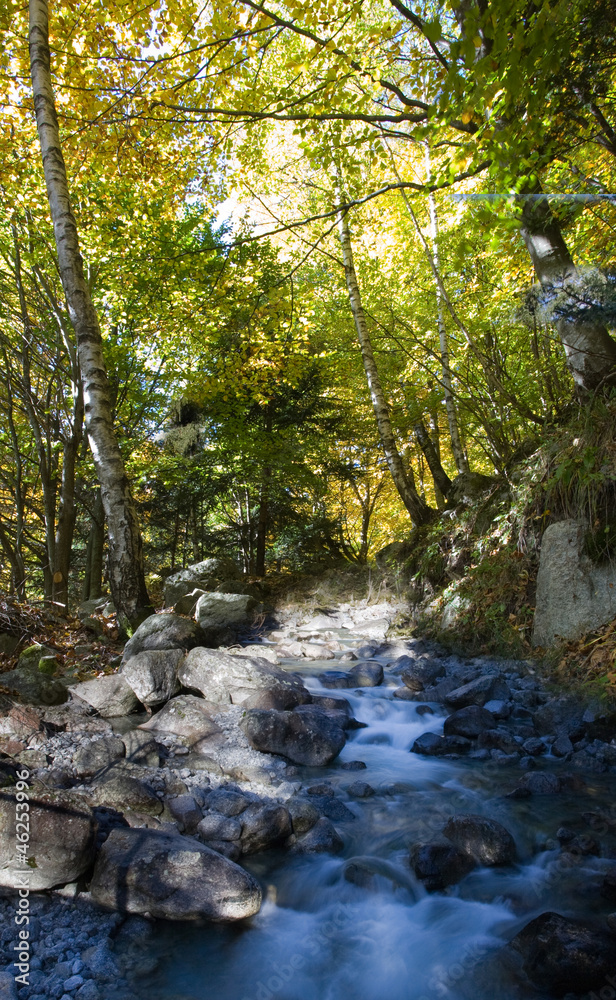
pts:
pixel 374 813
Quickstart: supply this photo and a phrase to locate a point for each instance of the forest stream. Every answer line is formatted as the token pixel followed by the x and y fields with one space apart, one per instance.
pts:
pixel 360 924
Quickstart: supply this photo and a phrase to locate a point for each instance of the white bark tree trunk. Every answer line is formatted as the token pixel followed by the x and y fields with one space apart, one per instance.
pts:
pixel 126 571
pixel 417 508
pixel 590 351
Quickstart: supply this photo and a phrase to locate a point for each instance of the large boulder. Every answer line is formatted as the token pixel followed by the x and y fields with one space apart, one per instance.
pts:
pixel 563 956
pixel 222 678
pixel 574 595
pixel 171 877
pixel 220 611
pixel 477 692
pixel 110 695
pixel 440 863
pixel 188 717
pixel 433 745
pixel 264 827
pixel 310 738
pixel 468 722
pixel 153 675
pixel 205 575
pixel 366 674
pixel 62 839
pixel 166 631
pixel 421 673
pixel 322 838
pixel 483 839
pixel 31 681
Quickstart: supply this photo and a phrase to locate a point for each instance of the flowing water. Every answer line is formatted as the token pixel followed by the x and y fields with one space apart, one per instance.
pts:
pixel 319 936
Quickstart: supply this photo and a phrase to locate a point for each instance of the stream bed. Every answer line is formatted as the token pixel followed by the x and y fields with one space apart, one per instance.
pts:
pixel 359 924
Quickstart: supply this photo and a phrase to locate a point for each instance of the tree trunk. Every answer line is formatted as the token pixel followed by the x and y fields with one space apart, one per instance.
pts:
pixel 590 351
pixel 126 569
pixel 450 405
pixel 417 508
pixel 262 522
pixel 441 479
pixel 93 579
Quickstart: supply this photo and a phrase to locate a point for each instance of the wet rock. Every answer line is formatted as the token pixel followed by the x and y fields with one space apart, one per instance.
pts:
pixel 333 808
pixel 215 826
pixel 562 746
pixel 163 631
pixel 337 704
pixel 366 675
pixel 109 695
pixel 405 694
pixel 608 886
pixel 483 839
pixel 424 710
pixel 477 692
pixel 62 839
pixel 431 745
pixel 264 827
pixel 171 877
pixel 339 717
pixel 321 789
pixel 222 679
pixel 500 709
pixel 440 863
pixel 422 673
pixel 124 791
pixel 153 675
pixel 534 746
pixel 353 765
pixel 587 762
pixel 468 722
pixel 360 790
pixel 323 838
pixel 565 956
pixel 312 739
pixel 303 814
pixel 185 810
pixel 228 848
pixel 497 739
pixel 98 755
pixel 335 680
pixel 188 717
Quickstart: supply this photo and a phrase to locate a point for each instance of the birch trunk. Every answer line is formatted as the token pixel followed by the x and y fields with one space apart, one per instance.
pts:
pixel 590 351
pixel 417 508
pixel 126 571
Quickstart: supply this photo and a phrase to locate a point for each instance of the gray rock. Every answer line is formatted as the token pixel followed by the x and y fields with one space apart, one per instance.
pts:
pixel 500 709
pixel 222 678
pixel 563 956
pixel 34 686
pixel 171 877
pixel 421 673
pixel 215 610
pixel 310 738
pixel 323 838
pixel 497 739
pixel 189 717
pixel 214 826
pixel 258 650
pixel 303 814
pixel 62 839
pixel 360 790
pixel 153 675
pixel 336 715
pixel 335 680
pixel 264 827
pixel 316 651
pixel 468 722
pixel 534 746
pixel 353 765
pixel 485 840
pixel 98 755
pixel 164 631
pixel 563 716
pixel 479 691
pixel 123 791
pixel 540 783
pixel 185 810
pixel 366 675
pixel 8 986
pixel 574 595
pixel 440 863
pixel 141 748
pixel 227 802
pixel 206 574
pixel 109 695
pixel 188 603
pixel 432 745
pixel 562 745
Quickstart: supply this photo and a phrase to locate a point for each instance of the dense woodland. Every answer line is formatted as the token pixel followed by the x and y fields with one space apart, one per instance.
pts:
pixel 274 274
